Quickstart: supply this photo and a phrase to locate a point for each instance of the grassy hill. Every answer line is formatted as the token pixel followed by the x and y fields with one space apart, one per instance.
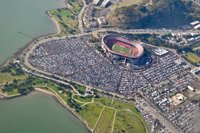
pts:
pixel 67 18
pixel 160 14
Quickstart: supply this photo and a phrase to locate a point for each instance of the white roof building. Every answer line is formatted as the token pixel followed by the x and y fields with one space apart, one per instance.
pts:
pixel 191 88
pixel 197 26
pixel 160 51
pixel 194 23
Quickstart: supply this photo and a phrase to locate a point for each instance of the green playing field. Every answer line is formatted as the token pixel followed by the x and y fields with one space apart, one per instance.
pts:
pixel 121 49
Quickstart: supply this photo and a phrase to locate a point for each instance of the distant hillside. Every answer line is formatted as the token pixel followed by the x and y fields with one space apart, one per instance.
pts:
pixel 161 14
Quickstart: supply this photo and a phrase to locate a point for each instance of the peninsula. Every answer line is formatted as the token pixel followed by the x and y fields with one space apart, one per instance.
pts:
pixel 113 79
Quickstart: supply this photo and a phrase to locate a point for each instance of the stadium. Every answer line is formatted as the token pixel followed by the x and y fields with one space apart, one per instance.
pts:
pixel 125 51
pixel 120 46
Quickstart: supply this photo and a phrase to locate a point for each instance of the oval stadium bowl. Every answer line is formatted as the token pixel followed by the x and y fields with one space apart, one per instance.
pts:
pixel 121 46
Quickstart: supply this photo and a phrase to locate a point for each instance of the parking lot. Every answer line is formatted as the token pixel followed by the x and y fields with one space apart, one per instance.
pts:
pixel 77 60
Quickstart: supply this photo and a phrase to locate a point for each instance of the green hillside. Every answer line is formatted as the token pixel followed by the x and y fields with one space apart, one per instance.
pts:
pixel 160 14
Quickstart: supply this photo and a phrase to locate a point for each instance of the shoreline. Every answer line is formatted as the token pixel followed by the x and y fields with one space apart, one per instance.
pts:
pixel 55 22
pixel 54 95
pixel 20 51
pixel 20 54
pixel 63 103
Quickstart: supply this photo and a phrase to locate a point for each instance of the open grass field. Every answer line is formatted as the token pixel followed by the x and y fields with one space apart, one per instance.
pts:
pixel 105 122
pixel 13 92
pixel 126 119
pixel 66 20
pixel 83 99
pixel 102 112
pixel 121 49
pixel 192 57
pixel 65 96
pixel 128 3
pixel 117 104
pixel 67 17
pixel 127 113
pixel 90 113
pixel 103 100
pixel 7 77
pixel 129 122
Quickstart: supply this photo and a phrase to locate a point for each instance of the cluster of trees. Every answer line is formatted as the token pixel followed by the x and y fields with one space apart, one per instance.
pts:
pixel 187 49
pixel 6 69
pixel 23 87
pixel 13 68
pixel 79 88
pixel 151 39
pixel 155 40
pixel 73 104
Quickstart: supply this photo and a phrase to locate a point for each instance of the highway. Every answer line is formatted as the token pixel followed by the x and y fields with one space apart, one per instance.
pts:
pixel 80 22
pixel 140 31
pixel 149 31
